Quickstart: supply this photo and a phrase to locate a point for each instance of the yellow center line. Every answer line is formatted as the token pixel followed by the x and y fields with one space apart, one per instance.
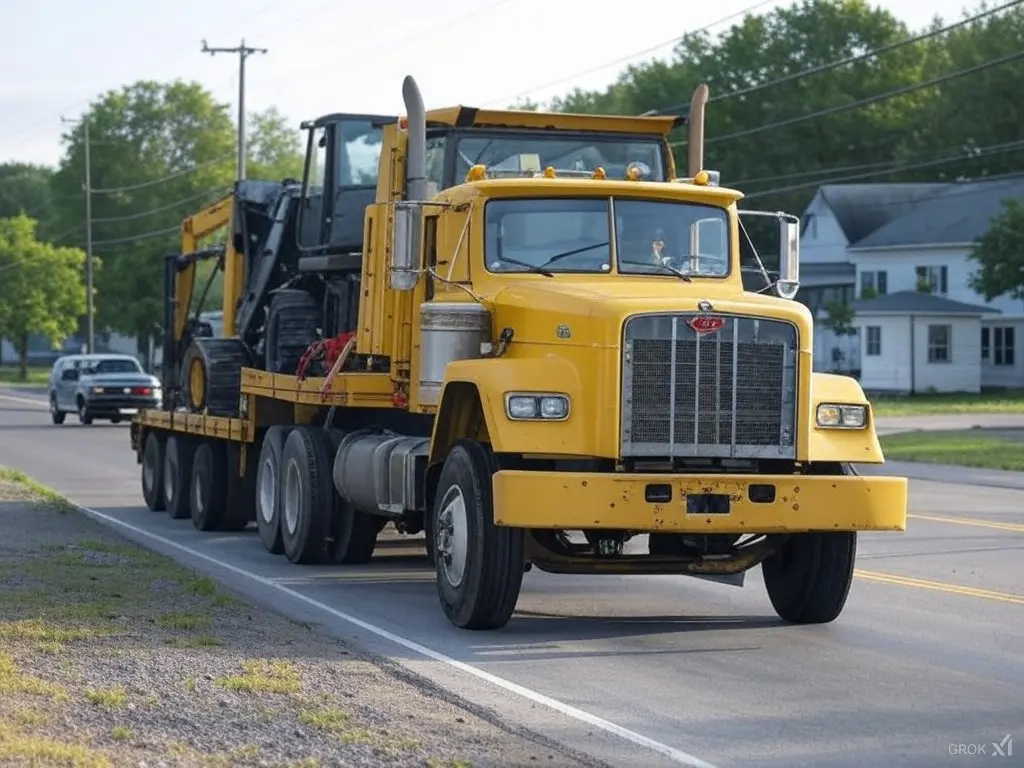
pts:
pixel 939 586
pixel 1015 527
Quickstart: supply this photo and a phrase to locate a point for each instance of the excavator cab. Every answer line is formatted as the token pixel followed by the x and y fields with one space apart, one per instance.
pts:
pixel 339 182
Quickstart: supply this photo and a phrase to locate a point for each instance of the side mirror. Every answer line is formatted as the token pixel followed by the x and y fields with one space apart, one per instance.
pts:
pixel 789 257
pixel 405 245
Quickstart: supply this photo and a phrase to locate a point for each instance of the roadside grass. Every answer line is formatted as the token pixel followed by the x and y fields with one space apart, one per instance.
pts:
pixel 10 376
pixel 966 448
pixel 121 643
pixel 1008 401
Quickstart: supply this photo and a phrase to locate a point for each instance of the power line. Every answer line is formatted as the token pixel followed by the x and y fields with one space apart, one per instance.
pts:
pixel 169 206
pixel 162 179
pixel 867 101
pixel 630 56
pixel 986 151
pixel 811 71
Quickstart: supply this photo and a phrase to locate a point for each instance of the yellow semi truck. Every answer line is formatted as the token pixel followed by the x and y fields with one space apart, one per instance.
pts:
pixel 527 336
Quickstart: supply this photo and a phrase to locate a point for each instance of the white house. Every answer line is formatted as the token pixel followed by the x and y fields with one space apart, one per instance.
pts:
pixel 911 238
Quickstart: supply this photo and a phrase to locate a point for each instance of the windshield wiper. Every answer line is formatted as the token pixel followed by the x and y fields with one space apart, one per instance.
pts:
pixel 527 265
pixel 573 252
pixel 678 273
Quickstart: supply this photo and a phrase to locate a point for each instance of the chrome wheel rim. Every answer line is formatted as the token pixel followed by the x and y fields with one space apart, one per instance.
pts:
pixel 292 494
pixel 452 536
pixel 268 487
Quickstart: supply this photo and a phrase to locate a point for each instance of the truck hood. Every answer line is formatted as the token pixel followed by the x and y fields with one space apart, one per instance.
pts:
pixel 591 314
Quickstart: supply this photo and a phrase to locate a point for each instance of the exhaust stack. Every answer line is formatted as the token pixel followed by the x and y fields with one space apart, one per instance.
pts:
pixel 695 138
pixel 416 154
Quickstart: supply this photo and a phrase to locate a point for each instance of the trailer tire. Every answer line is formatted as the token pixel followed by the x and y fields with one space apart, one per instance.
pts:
pixel 482 594
pixel 808 579
pixel 153 472
pixel 268 489
pixel 178 452
pixel 307 496
pixel 241 502
pixel 353 536
pixel 292 320
pixel 208 489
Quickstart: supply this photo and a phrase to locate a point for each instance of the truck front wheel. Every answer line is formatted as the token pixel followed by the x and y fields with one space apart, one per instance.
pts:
pixel 809 578
pixel 479 565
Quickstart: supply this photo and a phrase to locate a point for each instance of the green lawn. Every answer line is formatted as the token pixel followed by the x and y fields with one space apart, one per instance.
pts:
pixel 10 375
pixel 1009 401
pixel 967 448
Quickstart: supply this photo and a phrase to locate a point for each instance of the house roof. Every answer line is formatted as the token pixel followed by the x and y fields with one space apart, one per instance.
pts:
pixel 910 302
pixel 888 215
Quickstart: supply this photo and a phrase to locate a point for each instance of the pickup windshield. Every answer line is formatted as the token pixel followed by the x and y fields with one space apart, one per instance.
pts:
pixel 576 234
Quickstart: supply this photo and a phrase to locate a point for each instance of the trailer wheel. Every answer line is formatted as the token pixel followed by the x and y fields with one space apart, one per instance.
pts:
pixel 268 489
pixel 208 489
pixel 153 472
pixel 307 496
pixel 241 502
pixel 353 536
pixel 808 579
pixel 479 565
pixel 178 453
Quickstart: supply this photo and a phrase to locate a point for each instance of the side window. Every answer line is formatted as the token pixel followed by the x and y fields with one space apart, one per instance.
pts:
pixel 318 163
pixel 435 165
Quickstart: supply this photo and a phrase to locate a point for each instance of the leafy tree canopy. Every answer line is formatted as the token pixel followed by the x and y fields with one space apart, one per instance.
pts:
pixel 1000 252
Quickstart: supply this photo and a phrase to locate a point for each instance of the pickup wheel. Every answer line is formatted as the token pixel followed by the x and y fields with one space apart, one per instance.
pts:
pixel 307 496
pixel 268 489
pixel 153 472
pixel 84 417
pixel 178 454
pixel 56 415
pixel 208 489
pixel 808 579
pixel 479 565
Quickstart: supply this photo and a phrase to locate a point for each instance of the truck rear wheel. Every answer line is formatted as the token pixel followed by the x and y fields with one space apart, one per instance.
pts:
pixel 479 565
pixel 153 472
pixel 353 532
pixel 307 496
pixel 177 475
pixel 808 579
pixel 208 490
pixel 268 489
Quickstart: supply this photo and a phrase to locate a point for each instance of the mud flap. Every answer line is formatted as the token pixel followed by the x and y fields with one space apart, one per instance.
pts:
pixel 732 579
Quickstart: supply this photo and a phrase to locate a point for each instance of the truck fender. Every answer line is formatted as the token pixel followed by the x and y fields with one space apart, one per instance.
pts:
pixel 859 446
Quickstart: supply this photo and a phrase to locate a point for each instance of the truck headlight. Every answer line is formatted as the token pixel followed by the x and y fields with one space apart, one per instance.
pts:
pixel 834 416
pixel 97 390
pixel 536 406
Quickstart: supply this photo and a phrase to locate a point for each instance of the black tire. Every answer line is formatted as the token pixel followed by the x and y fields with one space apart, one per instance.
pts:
pixel 353 536
pixel 208 487
pixel 221 362
pixel 292 320
pixel 178 453
pixel 268 489
pixel 57 416
pixel 808 579
pixel 241 503
pixel 486 595
pixel 153 472
pixel 84 417
pixel 307 496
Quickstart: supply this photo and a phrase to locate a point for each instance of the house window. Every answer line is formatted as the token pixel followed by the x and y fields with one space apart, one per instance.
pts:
pixel 874 340
pixel 936 279
pixel 1002 345
pixel 985 344
pixel 939 343
pixel 874 280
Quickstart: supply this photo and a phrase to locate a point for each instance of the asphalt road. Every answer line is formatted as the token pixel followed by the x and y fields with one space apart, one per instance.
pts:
pixel 649 671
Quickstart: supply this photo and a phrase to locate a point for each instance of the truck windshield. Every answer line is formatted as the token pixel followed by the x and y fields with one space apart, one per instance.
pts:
pixel 574 234
pixel 521 152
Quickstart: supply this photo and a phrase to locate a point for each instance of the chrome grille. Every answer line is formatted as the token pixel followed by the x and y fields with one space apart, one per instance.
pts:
pixel 729 393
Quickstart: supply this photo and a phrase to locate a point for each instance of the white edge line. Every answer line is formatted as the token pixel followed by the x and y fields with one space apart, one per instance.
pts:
pixel 676 755
pixel 31 401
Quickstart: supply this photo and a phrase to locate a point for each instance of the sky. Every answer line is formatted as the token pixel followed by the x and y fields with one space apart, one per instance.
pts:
pixel 339 55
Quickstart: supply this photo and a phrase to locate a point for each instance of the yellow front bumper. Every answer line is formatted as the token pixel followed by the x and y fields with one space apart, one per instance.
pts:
pixel 578 500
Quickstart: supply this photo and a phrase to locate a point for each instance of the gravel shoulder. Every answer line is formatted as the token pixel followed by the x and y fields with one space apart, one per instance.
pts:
pixel 111 655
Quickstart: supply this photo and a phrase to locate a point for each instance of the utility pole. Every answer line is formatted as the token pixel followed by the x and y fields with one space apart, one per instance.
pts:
pixel 90 345
pixel 243 52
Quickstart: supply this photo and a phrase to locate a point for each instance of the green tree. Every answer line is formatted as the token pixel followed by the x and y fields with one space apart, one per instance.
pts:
pixel 159 152
pixel 25 188
pixel 1000 254
pixel 41 290
pixel 274 150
